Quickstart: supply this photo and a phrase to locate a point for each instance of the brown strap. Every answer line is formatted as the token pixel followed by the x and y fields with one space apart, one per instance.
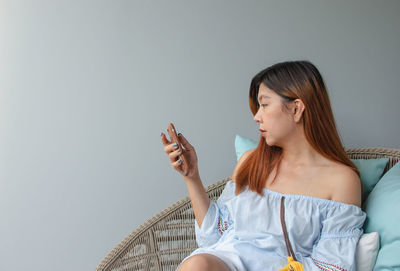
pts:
pixel 288 245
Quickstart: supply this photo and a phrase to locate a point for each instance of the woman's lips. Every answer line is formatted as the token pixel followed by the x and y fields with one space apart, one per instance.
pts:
pixel 262 131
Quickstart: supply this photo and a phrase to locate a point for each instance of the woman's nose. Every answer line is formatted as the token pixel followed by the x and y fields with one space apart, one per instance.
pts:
pixel 257 117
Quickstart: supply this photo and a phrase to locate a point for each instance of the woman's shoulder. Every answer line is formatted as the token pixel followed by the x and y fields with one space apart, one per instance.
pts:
pixel 345 184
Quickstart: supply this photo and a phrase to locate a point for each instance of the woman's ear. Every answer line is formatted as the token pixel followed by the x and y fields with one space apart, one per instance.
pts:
pixel 297 110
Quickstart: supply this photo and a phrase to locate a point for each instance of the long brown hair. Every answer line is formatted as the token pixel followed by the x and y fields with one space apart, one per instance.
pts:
pixel 292 80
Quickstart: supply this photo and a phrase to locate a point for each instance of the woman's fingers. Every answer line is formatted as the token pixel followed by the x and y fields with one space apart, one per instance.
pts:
pixel 164 140
pixel 174 154
pixel 173 151
pixel 170 148
pixel 184 142
pixel 168 145
pixel 176 165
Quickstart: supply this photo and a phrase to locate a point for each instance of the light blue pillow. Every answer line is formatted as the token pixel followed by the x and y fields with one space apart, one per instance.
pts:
pixel 243 144
pixel 370 169
pixel 383 216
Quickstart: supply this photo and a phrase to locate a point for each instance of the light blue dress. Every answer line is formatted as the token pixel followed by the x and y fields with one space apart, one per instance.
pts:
pixel 245 231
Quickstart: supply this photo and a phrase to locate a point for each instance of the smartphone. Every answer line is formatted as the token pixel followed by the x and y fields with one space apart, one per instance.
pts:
pixel 174 138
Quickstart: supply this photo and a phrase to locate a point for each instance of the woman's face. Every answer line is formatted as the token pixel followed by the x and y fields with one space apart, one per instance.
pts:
pixel 272 118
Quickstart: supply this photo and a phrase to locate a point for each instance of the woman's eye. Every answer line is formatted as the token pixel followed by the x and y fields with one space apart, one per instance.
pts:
pixel 264 105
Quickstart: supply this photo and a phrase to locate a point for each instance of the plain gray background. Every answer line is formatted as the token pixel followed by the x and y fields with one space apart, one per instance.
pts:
pixel 87 87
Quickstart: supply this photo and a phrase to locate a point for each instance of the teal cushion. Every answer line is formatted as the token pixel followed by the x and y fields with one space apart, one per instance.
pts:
pixel 370 169
pixel 243 144
pixel 383 217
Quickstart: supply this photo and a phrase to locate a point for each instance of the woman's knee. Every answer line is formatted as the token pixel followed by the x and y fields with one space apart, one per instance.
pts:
pixel 203 261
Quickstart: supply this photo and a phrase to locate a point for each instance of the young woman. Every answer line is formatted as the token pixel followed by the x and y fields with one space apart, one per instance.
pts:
pixel 298 179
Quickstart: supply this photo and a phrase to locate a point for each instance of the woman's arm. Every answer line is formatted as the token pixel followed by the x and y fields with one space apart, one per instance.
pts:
pixel 198 196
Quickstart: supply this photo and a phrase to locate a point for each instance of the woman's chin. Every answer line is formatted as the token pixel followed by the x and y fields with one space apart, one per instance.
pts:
pixel 269 142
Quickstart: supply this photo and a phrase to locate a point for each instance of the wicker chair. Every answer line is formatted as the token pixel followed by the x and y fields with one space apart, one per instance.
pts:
pixel 164 240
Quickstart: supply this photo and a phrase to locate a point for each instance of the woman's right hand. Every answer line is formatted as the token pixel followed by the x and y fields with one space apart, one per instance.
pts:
pixel 189 153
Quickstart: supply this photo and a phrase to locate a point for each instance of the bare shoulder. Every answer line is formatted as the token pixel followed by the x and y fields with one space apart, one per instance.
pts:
pixel 346 185
pixel 240 162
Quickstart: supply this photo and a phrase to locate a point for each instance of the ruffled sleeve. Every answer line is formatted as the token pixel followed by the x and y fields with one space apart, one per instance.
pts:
pixel 336 247
pixel 217 220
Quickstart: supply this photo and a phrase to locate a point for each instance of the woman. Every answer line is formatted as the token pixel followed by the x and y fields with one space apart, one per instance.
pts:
pixel 298 179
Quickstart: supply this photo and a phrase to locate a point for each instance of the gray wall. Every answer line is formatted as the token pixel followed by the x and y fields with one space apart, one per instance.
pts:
pixel 88 86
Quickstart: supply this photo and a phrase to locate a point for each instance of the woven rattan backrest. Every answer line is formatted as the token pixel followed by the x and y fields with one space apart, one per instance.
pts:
pixel 164 240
